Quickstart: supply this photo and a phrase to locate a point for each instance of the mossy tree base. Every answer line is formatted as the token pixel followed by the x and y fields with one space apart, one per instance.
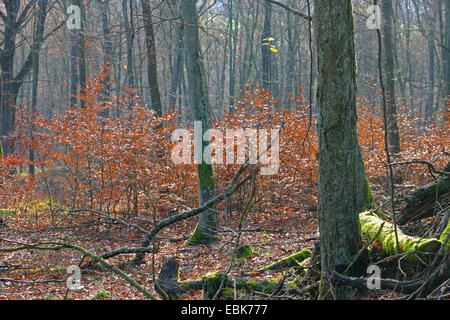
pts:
pixel 198 237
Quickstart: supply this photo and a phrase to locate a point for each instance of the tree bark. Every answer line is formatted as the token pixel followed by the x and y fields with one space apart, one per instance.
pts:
pixel 152 69
pixel 14 20
pixel 340 162
pixel 77 58
pixel 265 49
pixel 206 230
pixel 447 61
pixel 394 138
pixel 41 14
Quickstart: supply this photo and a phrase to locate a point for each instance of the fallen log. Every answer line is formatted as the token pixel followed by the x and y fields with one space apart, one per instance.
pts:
pixel 168 281
pixel 417 248
pixel 294 260
pixel 422 202
pixel 445 237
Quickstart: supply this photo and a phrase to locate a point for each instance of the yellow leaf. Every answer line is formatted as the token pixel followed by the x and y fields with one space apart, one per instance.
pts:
pixel 273 49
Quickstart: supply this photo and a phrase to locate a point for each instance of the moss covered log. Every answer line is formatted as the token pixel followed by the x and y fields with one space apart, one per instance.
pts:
pixel 422 202
pixel 370 224
pixel 444 235
pixel 168 281
pixel 294 260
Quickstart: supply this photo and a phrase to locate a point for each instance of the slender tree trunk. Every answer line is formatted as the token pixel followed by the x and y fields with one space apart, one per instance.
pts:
pixel 290 61
pixel 177 59
pixel 408 60
pixel 265 49
pixel 107 50
pixel 394 138
pixel 430 101
pixel 77 58
pixel 129 35
pixel 206 230
pixel 152 70
pixel 41 14
pixel 447 59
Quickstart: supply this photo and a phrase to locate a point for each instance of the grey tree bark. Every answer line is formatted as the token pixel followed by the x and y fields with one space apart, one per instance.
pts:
pixel 38 32
pixel 206 229
pixel 152 69
pixel 77 57
pixel 447 58
pixel 265 49
pixel 343 188
pixel 394 138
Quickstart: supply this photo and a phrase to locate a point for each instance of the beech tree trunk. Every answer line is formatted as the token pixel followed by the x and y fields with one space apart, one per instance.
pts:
pixel 265 49
pixel 152 69
pixel 206 230
pixel 391 116
pixel 341 175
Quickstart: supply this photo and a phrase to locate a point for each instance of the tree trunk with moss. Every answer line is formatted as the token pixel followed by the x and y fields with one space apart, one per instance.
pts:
pixel 206 229
pixel 343 186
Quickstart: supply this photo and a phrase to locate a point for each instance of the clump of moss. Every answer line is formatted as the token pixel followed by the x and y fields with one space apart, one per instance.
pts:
pixel 293 260
pixel 211 284
pixel 243 252
pixel 197 237
pixel 444 235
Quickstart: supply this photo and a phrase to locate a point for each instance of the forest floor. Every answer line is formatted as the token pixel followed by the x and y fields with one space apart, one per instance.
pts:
pixel 273 231
pixel 272 237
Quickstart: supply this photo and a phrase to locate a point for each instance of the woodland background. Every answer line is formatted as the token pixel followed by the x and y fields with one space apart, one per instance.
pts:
pixel 86 119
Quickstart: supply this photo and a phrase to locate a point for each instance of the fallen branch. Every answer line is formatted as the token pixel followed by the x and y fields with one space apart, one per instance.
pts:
pixel 56 246
pixel 427 285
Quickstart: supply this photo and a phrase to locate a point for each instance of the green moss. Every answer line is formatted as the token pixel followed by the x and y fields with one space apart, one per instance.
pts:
pixel 243 252
pixel 293 260
pixel 211 284
pixel 370 224
pixel 306 262
pixel 368 197
pixel 205 175
pixel 249 283
pixel 101 295
pixel 444 235
pixel 228 292
pixel 197 237
pixel 419 194
pixel 1 148
pixel 6 212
